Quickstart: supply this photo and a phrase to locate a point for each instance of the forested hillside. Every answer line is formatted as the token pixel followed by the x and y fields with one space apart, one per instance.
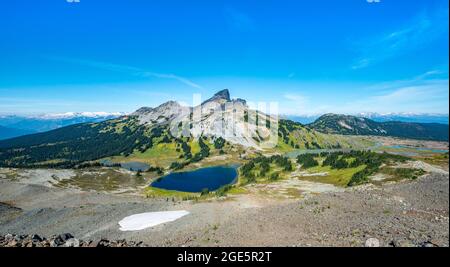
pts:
pixel 351 125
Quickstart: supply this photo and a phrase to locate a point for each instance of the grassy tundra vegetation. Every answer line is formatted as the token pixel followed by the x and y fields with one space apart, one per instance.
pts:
pixel 341 168
pixel 265 169
pixel 125 140
pixel 344 169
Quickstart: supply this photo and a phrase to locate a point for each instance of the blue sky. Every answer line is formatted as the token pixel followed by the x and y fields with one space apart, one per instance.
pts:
pixel 311 57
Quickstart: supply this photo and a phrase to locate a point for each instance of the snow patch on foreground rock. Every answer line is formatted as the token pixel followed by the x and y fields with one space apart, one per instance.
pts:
pixel 146 220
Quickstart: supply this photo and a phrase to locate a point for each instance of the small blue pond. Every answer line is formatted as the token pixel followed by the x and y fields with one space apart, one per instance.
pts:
pixel 132 165
pixel 195 181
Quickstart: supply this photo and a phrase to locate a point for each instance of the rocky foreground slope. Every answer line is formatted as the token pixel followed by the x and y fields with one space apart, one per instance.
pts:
pixel 62 240
pixel 408 213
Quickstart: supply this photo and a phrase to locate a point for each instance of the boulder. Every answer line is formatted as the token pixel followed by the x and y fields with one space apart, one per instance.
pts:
pixel 372 243
pixel 61 239
pixel 36 238
pixel 72 243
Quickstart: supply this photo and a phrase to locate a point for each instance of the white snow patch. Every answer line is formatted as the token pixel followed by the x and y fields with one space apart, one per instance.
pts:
pixel 71 115
pixel 142 221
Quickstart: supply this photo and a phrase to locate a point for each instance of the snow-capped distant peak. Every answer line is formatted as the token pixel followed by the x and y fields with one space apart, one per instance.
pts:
pixel 68 115
pixel 405 114
pixel 407 117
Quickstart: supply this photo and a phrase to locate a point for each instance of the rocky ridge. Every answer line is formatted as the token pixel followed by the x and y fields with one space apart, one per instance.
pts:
pixel 219 116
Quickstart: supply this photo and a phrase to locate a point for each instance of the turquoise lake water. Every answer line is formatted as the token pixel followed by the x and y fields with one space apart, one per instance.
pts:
pixel 211 178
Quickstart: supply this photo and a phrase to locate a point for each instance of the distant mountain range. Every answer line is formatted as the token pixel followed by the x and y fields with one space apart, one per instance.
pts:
pixel 167 135
pixel 18 125
pixel 173 136
pixel 353 125
pixel 407 117
pixel 403 117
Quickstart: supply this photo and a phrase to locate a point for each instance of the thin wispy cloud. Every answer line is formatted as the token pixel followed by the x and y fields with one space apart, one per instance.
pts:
pixel 238 20
pixel 424 95
pixel 295 104
pixel 422 30
pixel 146 93
pixel 428 77
pixel 412 93
pixel 431 74
pixel 31 105
pixel 81 98
pixel 295 97
pixel 129 70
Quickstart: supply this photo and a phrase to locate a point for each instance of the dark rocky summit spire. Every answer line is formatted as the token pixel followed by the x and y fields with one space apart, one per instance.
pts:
pixel 224 94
